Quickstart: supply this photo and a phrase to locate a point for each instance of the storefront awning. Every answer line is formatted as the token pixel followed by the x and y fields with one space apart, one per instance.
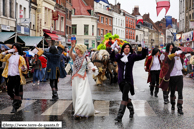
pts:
pixel 31 40
pixel 4 36
pixel 53 36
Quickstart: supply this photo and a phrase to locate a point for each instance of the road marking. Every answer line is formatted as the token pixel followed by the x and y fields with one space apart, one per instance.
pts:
pixel 142 108
pixel 57 108
pixel 102 107
pixel 25 103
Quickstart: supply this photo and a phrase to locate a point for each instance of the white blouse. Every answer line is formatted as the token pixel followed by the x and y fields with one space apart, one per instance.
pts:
pixel 155 64
pixel 13 69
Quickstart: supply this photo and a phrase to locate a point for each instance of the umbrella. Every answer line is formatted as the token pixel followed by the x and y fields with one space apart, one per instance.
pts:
pixel 29 54
pixel 186 49
pixel 4 47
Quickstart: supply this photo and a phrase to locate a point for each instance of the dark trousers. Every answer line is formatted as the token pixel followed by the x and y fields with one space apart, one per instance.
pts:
pixel 54 82
pixel 13 86
pixel 155 77
pixel 13 90
pixel 125 88
pixel 176 83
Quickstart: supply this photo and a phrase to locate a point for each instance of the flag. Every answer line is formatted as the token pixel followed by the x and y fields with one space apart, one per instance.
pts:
pixel 168 20
pixel 139 19
pixel 162 4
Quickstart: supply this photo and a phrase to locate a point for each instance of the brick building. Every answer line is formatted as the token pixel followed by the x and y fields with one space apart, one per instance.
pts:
pixel 105 19
pixel 60 20
pixel 69 9
pixel 130 26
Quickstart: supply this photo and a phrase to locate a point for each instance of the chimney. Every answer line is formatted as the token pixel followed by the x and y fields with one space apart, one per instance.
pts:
pixel 136 9
pixel 115 2
pixel 118 6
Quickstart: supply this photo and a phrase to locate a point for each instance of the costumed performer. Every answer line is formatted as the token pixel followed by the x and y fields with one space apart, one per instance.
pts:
pixel 164 70
pixel 126 60
pixel 153 66
pixel 174 78
pixel 81 93
pixel 53 67
pixel 14 70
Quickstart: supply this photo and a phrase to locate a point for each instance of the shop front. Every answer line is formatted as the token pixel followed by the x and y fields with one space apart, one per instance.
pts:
pixel 51 37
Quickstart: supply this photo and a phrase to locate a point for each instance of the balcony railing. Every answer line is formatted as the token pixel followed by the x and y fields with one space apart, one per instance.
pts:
pixel 103 11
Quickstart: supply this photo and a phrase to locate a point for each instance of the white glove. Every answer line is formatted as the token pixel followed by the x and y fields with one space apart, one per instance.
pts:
pixel 142 44
pixel 35 45
pixel 11 50
pixel 178 52
pixel 3 53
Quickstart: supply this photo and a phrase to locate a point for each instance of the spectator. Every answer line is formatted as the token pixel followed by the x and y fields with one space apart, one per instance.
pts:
pixel 37 66
pixel 42 72
pixel 192 60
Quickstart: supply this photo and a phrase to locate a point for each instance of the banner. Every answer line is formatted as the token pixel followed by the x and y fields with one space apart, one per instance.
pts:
pixel 168 20
pixel 55 15
pixel 139 19
pixel 191 24
pixel 162 4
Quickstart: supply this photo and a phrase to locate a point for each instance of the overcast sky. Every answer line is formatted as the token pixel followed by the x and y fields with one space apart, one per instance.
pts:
pixel 149 6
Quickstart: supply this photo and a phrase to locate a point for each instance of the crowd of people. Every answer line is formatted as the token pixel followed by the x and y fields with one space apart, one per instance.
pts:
pixel 165 71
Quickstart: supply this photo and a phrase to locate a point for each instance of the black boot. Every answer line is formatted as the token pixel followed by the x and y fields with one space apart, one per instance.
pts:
pixel 14 110
pixel 151 90
pixel 131 109
pixel 165 96
pixel 180 107
pixel 172 101
pixel 55 95
pixel 16 105
pixel 120 113
pixel 156 91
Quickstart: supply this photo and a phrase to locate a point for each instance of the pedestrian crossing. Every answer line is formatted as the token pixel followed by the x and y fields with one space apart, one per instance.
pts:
pixel 57 108
pixel 103 107
pixel 25 103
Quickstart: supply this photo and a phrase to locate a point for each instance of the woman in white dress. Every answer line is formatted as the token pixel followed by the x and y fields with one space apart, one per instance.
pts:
pixel 81 93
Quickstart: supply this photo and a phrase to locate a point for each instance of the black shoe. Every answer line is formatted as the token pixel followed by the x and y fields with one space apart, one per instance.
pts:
pixel 180 111
pixel 165 97
pixel 151 90
pixel 120 113
pixel 77 118
pixel 156 91
pixel 173 107
pixel 131 109
pixel 14 110
pixel 151 93
pixel 156 95
pixel 166 101
pixel 118 119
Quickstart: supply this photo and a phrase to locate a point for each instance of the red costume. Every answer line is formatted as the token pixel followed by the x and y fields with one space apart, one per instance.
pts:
pixel 148 65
